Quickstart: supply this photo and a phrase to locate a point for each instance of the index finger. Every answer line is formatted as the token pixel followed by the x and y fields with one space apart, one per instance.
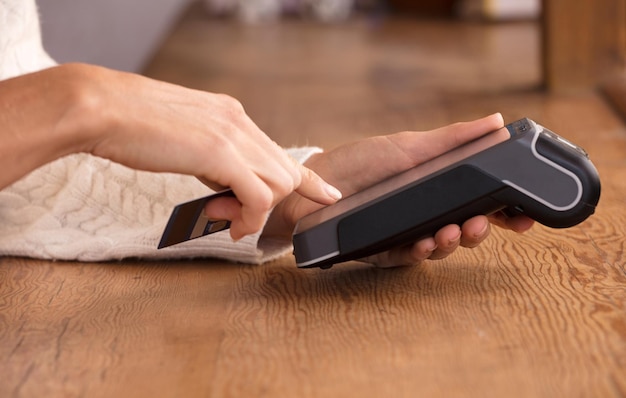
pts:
pixel 313 187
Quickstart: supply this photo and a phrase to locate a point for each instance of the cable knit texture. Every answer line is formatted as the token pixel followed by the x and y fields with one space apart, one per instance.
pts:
pixel 85 208
pixel 20 39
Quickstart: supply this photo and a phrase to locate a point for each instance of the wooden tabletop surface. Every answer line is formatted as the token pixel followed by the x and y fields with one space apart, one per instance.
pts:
pixel 536 315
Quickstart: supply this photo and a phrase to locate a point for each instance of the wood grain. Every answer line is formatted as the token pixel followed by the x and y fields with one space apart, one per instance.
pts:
pixel 536 315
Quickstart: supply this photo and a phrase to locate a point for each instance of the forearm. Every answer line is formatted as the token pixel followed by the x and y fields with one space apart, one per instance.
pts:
pixel 43 116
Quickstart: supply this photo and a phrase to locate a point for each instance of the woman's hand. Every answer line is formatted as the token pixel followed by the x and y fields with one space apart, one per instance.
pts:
pixel 354 167
pixel 150 125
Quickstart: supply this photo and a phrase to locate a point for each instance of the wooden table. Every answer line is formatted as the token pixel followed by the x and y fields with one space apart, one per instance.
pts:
pixel 535 315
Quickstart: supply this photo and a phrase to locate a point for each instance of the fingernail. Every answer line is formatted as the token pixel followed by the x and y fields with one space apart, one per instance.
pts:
pixel 483 231
pixel 456 239
pixel 429 251
pixel 333 192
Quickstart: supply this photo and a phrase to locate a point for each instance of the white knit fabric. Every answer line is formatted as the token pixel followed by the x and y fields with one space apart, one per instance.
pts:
pixel 85 208
pixel 20 39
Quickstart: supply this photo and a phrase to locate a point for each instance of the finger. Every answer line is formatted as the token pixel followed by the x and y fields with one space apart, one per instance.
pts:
pixel 211 184
pixel 518 224
pixel 227 208
pixel 411 255
pixel 313 187
pixel 408 255
pixel 456 134
pixel 447 239
pixel 223 208
pixel 251 221
pixel 446 138
pixel 284 174
pixel 474 231
pixel 256 198
pixel 421 250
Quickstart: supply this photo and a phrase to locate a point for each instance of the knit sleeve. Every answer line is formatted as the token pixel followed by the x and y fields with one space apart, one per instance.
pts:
pixel 86 208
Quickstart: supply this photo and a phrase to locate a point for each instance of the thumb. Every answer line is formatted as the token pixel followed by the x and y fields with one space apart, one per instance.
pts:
pixel 423 146
pixel 450 137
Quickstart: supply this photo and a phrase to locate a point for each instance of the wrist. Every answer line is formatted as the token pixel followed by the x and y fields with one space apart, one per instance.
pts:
pixel 84 119
pixel 44 117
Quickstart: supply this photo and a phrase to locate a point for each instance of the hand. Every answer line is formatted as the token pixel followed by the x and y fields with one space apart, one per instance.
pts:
pixel 150 125
pixel 383 157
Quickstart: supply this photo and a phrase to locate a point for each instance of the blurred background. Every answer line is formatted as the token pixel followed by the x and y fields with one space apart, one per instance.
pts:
pixel 124 35
pixel 327 71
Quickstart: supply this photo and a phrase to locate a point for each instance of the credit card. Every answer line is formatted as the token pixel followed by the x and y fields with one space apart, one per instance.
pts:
pixel 188 221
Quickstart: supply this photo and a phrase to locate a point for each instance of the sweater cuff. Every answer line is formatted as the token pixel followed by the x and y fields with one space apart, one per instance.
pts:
pixel 89 209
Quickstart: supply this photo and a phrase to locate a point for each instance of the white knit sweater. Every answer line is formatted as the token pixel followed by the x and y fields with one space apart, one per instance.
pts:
pixel 85 208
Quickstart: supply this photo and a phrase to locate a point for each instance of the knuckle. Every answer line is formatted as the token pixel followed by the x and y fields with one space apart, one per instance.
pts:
pixel 264 200
pixel 301 174
pixel 286 187
pixel 230 103
pixel 285 181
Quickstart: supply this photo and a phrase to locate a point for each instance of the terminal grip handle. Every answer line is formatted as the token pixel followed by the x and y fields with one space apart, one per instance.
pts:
pixel 570 159
pixel 419 211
